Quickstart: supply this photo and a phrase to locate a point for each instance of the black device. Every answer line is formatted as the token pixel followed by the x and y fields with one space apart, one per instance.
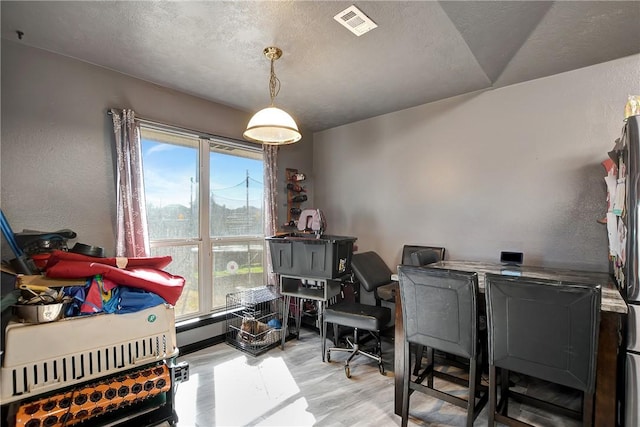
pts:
pixel 511 258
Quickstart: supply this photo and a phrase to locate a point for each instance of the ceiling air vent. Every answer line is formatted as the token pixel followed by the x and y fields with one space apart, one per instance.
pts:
pixel 355 21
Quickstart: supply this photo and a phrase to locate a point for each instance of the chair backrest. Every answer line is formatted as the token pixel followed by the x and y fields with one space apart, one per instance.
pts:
pixel 370 270
pixel 544 329
pixel 439 308
pixel 421 255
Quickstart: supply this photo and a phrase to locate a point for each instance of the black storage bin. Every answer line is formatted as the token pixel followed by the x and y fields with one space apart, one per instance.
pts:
pixel 304 255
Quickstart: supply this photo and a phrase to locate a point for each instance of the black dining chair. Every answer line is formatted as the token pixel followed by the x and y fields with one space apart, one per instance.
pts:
pixel 546 330
pixel 421 255
pixel 418 255
pixel 440 311
pixel 371 273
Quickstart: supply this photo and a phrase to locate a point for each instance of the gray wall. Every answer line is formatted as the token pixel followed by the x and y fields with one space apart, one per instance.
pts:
pixel 295 156
pixel 56 152
pixel 516 168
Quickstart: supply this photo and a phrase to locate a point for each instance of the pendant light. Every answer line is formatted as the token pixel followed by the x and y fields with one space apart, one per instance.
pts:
pixel 272 125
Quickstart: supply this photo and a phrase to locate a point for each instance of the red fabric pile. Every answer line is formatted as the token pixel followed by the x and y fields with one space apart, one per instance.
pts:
pixel 142 273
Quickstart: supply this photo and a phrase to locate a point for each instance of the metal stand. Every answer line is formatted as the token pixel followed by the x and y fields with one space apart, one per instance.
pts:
pixel 307 288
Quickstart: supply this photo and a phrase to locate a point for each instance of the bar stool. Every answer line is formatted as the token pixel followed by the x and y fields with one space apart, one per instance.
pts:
pixel 417 256
pixel 543 329
pixel 440 311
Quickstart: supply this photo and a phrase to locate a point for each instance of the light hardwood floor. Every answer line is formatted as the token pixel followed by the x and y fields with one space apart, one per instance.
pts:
pixel 293 387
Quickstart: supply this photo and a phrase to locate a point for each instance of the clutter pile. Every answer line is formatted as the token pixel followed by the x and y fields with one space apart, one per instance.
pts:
pixel 95 339
pixel 55 281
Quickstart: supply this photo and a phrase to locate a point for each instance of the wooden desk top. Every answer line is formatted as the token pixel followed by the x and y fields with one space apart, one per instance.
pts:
pixel 611 299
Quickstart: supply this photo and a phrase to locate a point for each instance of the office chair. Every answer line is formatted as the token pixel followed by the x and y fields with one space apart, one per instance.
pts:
pixel 371 272
pixel 544 329
pixel 372 269
pixel 440 311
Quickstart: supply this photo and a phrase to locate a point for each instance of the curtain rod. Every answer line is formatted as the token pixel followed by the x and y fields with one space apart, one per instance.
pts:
pixel 199 133
pixel 165 125
pixel 109 113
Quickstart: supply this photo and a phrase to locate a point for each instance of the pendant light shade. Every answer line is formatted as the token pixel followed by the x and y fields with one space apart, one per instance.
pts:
pixel 272 125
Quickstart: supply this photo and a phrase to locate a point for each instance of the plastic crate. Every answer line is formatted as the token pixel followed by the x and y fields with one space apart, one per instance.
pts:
pixel 304 255
pixel 45 357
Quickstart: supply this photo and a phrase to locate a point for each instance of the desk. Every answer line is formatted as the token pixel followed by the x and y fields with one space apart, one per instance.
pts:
pixel 612 308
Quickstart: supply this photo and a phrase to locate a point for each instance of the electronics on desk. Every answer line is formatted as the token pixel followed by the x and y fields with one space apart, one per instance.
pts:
pixel 512 262
pixel 511 258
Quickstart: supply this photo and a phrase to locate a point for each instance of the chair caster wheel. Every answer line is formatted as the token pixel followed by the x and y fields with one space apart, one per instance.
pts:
pixel 381 368
pixel 347 371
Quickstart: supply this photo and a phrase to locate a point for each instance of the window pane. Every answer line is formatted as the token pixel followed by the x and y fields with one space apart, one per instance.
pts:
pixel 236 192
pixel 236 266
pixel 174 201
pixel 185 264
pixel 170 164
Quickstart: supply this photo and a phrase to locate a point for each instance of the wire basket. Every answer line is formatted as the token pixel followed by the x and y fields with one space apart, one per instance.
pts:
pixel 253 320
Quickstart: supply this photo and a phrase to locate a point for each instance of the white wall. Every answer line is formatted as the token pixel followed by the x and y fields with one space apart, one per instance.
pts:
pixel 516 168
pixel 57 143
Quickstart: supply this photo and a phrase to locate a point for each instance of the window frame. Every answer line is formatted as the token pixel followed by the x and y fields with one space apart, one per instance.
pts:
pixel 204 240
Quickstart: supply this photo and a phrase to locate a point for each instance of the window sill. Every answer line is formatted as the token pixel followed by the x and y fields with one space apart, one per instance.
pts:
pixel 186 325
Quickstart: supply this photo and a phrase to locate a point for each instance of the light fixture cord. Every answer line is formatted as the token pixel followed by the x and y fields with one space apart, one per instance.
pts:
pixel 274 84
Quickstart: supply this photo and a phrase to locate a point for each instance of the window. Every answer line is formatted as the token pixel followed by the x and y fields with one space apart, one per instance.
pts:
pixel 204 199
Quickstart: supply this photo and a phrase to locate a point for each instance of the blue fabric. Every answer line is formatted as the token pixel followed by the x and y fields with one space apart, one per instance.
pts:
pixel 77 294
pixel 109 293
pixel 120 299
pixel 133 299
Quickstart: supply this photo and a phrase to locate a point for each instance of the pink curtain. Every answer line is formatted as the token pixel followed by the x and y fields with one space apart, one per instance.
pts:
pixel 132 235
pixel 270 206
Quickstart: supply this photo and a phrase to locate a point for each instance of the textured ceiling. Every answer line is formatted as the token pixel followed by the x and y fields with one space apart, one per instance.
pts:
pixel 422 51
